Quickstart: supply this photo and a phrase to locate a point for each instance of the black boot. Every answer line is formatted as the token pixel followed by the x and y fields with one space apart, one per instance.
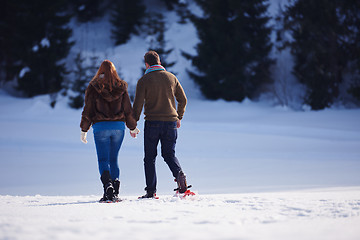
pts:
pixel 116 185
pixel 104 198
pixel 149 195
pixel 108 187
pixel 181 181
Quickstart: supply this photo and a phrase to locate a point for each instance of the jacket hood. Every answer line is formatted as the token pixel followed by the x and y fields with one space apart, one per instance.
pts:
pixel 116 93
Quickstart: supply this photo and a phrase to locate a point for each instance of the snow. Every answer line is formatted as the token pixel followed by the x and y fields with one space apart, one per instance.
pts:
pixel 261 172
pixel 93 39
pixel 35 48
pixel 319 214
pixel 81 8
pixel 23 72
pixel 45 42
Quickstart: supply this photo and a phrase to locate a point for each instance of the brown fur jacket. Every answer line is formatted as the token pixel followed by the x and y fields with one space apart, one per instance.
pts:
pixel 103 105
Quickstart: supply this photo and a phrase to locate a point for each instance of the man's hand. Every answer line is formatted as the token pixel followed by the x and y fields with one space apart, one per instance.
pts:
pixel 178 123
pixel 134 132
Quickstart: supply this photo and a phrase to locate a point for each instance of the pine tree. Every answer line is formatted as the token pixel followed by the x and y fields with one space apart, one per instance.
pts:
pixel 170 4
pixel 182 10
pixel 156 28
pixel 13 39
pixel 321 44
pixel 350 10
pixel 233 54
pixel 126 18
pixel 180 7
pixel 37 45
pixel 50 45
pixel 81 79
pixel 87 10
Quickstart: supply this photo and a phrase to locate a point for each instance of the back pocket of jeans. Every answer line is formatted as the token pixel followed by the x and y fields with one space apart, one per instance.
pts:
pixel 171 134
pixel 152 132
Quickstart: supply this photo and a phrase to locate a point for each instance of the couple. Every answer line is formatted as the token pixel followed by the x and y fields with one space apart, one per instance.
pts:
pixel 108 108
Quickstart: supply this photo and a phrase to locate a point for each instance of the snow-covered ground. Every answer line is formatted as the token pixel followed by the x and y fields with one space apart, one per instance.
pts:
pixel 330 214
pixel 223 147
pixel 261 172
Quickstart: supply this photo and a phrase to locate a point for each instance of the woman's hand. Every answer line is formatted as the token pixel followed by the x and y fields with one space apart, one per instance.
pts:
pixel 134 132
pixel 83 137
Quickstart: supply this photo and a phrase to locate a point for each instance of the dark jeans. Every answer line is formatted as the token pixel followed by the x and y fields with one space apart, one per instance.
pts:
pixel 108 143
pixel 166 133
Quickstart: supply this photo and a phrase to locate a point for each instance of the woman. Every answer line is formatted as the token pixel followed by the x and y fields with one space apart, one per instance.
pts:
pixel 108 108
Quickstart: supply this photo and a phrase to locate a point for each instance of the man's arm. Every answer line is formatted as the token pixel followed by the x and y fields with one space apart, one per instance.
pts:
pixel 181 99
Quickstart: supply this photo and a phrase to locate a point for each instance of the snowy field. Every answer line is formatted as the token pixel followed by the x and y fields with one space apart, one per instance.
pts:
pixel 331 214
pixel 261 172
pixel 223 148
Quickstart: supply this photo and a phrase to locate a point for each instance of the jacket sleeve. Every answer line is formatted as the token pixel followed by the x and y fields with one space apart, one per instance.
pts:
pixel 128 111
pixel 181 99
pixel 88 111
pixel 139 99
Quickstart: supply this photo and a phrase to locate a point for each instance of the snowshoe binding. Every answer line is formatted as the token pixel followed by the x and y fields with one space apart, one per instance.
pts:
pixel 182 190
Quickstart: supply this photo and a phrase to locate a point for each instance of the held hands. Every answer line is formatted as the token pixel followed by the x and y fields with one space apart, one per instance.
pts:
pixel 83 137
pixel 134 132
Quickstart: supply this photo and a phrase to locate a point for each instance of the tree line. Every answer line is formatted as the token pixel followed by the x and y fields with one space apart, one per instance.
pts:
pixel 234 57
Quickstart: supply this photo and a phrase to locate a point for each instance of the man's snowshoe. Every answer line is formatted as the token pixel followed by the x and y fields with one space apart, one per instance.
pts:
pixel 184 195
pixel 183 189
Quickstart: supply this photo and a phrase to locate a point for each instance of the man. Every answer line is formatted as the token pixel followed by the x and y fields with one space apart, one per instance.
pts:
pixel 157 91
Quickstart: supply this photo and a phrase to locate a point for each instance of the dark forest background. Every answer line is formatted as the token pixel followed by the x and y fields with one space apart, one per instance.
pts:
pixel 233 59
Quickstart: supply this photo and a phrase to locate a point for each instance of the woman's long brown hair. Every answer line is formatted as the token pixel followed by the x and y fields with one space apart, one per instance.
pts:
pixel 110 79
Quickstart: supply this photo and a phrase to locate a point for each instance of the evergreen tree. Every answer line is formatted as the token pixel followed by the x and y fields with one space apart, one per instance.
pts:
pixel 155 27
pixel 350 10
pixel 37 44
pixel 180 7
pixel 322 45
pixel 126 18
pixel 13 40
pixel 87 10
pixel 232 56
pixel 170 4
pixel 50 45
pixel 82 77
pixel 182 10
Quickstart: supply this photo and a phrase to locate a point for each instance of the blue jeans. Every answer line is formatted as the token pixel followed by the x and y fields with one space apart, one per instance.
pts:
pixel 166 133
pixel 108 143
